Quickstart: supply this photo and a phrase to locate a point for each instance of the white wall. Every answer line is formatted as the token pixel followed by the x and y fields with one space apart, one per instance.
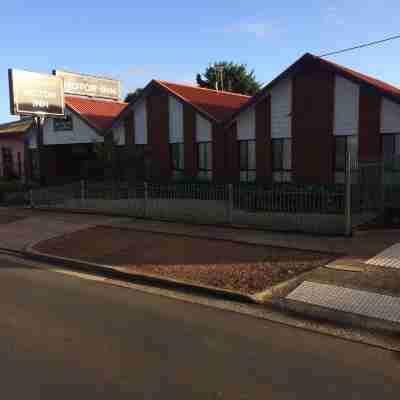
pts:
pixel 281 108
pixel 390 116
pixel 203 129
pixel 140 116
pixel 119 134
pixel 175 120
pixel 32 140
pixel 246 125
pixel 81 132
pixel 346 116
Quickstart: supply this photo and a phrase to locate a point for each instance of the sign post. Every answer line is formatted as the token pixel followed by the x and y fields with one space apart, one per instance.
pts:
pixel 35 94
pixel 39 96
pixel 90 86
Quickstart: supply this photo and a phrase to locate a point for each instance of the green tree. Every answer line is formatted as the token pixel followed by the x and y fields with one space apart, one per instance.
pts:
pixel 132 96
pixel 236 78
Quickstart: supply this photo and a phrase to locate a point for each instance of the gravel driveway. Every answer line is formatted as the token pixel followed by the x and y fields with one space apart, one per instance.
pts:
pixel 241 267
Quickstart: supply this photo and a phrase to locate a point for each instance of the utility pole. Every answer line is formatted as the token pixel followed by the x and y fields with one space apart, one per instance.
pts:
pixel 219 71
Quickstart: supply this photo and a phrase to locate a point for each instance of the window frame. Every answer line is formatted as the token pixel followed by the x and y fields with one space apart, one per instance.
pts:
pixel 181 167
pixel 205 172
pixel 284 173
pixel 247 174
pixel 346 151
pixel 393 136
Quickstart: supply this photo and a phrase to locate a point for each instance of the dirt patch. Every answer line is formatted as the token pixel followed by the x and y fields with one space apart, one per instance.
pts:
pixel 241 267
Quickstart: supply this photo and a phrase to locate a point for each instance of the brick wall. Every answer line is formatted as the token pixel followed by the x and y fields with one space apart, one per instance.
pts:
pixel 312 126
pixel 218 150
pixel 129 124
pixel 189 136
pixel 263 140
pixel 369 141
pixel 232 171
pixel 158 133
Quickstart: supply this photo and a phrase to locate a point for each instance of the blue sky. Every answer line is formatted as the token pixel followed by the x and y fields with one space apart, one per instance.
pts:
pixel 137 41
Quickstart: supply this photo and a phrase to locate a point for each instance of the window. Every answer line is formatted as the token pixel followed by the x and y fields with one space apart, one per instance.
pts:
pixel 247 160
pixel 177 159
pixel 63 124
pixel 282 160
pixel 345 145
pixel 7 161
pixel 204 158
pixel 390 146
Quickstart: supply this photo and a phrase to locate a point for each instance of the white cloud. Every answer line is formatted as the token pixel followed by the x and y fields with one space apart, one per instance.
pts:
pixel 259 29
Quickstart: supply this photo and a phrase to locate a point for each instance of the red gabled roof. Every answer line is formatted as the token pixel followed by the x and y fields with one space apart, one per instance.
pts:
pixel 100 114
pixel 386 87
pixel 217 104
pixel 383 88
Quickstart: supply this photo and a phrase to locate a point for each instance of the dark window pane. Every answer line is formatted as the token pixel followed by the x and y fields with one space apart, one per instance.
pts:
pixel 243 155
pixel 277 154
pixel 177 156
pixel 340 153
pixel 251 154
pixel 389 146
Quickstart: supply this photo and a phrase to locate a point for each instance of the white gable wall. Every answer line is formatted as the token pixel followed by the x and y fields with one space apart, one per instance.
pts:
pixel 119 134
pixel 203 129
pixel 140 116
pixel 175 120
pixel 246 125
pixel 390 116
pixel 32 140
pixel 281 108
pixel 81 132
pixel 346 107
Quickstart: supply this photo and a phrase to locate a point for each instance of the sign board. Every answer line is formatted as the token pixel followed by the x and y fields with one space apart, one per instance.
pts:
pixel 86 85
pixel 35 94
pixel 63 124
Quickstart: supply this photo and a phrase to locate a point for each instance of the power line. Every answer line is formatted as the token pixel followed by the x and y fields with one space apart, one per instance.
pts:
pixel 360 46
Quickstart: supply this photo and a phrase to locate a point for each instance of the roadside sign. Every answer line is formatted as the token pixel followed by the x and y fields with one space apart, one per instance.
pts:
pixel 92 86
pixel 32 93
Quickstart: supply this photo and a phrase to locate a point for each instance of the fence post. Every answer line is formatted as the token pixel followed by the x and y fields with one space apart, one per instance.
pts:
pixel 348 229
pixel 146 196
pixel 31 202
pixel 230 204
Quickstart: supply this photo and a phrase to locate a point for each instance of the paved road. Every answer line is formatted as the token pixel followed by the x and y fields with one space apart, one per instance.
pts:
pixel 62 337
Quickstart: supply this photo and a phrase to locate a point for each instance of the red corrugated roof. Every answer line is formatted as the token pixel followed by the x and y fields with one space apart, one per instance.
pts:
pixel 217 104
pixel 386 87
pixel 98 113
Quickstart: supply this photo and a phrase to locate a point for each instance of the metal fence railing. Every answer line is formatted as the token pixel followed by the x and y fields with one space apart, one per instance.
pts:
pixel 297 208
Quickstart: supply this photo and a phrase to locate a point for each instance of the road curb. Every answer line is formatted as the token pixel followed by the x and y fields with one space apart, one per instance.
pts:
pixel 341 318
pixel 237 228
pixel 134 277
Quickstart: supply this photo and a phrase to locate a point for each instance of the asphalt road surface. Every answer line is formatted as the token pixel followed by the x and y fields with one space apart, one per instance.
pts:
pixel 62 337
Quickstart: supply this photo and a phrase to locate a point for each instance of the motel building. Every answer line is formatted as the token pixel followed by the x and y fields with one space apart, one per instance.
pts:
pixel 179 129
pixel 302 125
pixel 298 129
pixel 64 149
